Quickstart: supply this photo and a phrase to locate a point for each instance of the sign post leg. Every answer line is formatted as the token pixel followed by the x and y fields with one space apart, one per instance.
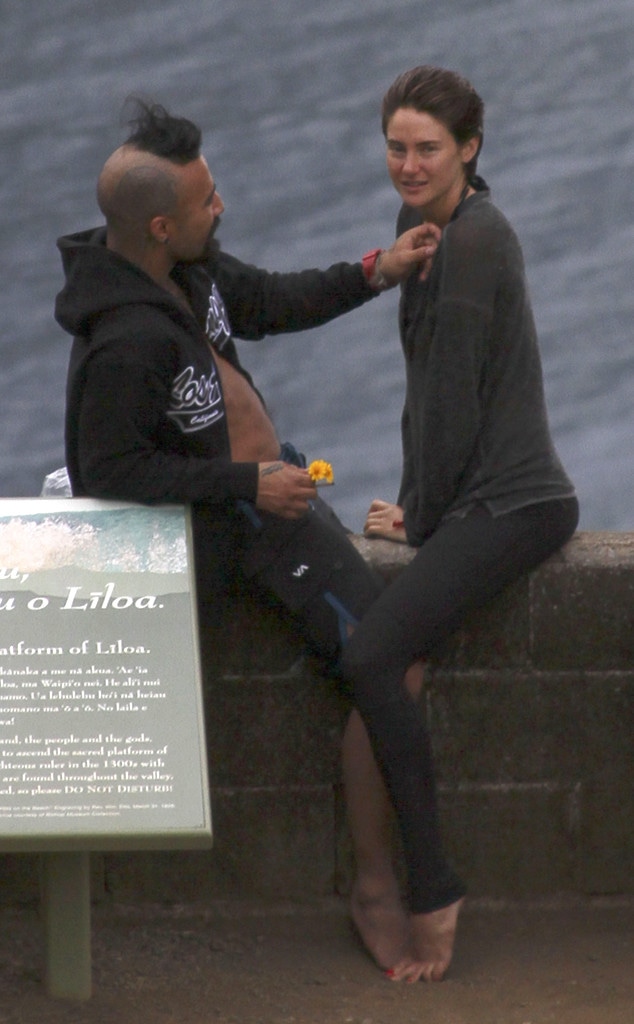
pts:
pixel 66 912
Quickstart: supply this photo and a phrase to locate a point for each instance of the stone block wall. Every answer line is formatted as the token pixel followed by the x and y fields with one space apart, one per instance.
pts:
pixel 531 711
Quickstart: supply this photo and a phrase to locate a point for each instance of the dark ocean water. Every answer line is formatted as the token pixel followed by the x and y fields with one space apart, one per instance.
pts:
pixel 288 95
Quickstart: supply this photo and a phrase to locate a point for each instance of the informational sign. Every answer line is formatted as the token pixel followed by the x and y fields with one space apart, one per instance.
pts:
pixel 102 742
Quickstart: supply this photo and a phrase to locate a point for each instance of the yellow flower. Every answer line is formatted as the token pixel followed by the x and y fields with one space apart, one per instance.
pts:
pixel 321 472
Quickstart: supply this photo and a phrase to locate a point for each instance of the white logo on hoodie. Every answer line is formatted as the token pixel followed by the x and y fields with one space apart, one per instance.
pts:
pixel 197 401
pixel 217 328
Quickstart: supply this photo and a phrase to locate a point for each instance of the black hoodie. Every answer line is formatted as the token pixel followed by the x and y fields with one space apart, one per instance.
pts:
pixel 145 415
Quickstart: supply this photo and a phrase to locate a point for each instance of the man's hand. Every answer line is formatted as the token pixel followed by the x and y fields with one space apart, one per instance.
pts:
pixel 284 490
pixel 415 247
pixel 385 520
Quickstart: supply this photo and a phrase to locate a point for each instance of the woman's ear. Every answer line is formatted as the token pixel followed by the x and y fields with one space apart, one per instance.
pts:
pixel 470 148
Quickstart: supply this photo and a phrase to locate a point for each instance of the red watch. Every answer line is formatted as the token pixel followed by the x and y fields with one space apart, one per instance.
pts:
pixel 372 272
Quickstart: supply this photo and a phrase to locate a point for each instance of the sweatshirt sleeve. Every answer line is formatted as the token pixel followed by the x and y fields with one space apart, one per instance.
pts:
pixel 449 440
pixel 260 302
pixel 446 412
pixel 114 442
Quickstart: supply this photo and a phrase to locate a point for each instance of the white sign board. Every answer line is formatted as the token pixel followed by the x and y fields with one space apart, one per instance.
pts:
pixel 102 742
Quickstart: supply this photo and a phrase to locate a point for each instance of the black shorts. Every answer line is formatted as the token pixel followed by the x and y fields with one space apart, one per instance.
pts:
pixel 307 565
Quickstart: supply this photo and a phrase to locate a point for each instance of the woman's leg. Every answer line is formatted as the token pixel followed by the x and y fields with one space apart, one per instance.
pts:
pixel 462 566
pixel 376 905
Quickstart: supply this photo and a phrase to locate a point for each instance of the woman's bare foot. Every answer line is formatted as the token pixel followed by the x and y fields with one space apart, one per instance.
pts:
pixel 432 937
pixel 381 921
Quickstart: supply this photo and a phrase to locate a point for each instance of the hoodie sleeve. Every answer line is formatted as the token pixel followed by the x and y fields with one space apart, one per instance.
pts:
pixel 260 302
pixel 121 445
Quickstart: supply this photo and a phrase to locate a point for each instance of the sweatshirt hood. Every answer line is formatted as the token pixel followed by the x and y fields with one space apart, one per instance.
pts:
pixel 85 260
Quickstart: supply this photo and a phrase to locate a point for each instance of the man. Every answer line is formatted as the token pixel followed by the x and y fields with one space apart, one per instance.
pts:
pixel 160 410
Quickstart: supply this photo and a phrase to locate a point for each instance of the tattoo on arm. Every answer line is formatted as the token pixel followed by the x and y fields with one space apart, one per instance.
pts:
pixel 273 468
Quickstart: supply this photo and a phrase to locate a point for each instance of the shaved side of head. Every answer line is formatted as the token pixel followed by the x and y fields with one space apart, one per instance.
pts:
pixel 134 187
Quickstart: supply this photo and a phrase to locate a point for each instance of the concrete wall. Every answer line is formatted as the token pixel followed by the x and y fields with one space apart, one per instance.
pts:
pixel 531 710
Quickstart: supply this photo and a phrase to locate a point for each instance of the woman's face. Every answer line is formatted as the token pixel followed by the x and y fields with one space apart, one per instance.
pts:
pixel 426 164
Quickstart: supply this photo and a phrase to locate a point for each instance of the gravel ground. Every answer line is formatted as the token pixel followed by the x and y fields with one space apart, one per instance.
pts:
pixel 260 964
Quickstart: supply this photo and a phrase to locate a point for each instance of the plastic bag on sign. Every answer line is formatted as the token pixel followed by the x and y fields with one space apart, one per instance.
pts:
pixel 57 484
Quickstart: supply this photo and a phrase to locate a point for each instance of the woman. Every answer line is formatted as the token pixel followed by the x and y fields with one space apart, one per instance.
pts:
pixel 483 495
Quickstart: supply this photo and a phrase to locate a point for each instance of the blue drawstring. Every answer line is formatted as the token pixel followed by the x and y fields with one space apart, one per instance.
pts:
pixel 345 617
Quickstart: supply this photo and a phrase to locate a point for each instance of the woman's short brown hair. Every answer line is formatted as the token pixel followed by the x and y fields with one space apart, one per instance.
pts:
pixel 443 94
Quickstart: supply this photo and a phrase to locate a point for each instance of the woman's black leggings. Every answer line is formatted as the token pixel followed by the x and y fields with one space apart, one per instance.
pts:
pixel 464 564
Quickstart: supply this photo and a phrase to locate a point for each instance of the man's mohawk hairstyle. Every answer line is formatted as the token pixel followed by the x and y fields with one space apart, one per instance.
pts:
pixel 154 130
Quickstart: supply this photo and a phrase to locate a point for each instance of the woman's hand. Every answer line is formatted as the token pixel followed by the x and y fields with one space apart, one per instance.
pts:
pixel 385 520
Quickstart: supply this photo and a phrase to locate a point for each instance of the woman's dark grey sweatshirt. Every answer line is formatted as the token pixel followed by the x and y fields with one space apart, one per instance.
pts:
pixel 475 426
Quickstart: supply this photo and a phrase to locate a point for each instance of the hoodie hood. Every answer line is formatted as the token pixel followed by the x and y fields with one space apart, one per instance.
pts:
pixel 86 260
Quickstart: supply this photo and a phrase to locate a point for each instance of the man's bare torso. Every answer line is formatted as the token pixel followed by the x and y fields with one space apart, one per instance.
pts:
pixel 251 434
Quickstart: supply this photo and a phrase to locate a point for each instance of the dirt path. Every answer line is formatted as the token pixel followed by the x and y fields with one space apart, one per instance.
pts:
pixel 301 965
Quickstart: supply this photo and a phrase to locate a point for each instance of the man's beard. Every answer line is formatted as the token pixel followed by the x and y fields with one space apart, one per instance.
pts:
pixel 211 248
pixel 209 252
